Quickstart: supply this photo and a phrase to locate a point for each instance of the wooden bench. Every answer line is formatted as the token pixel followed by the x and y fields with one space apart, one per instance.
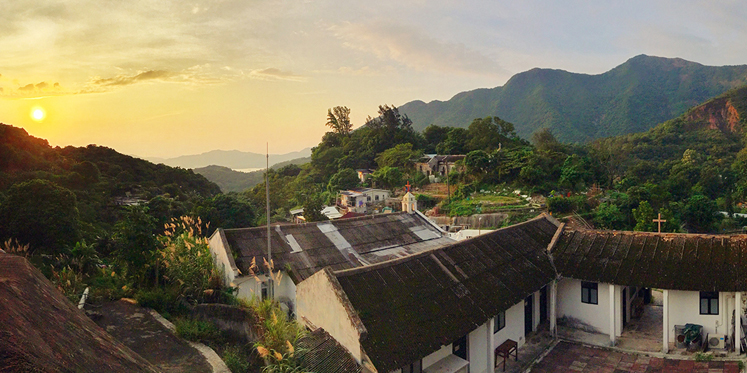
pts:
pixel 505 350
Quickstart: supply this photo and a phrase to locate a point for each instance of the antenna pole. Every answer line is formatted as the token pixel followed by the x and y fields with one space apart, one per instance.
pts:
pixel 270 285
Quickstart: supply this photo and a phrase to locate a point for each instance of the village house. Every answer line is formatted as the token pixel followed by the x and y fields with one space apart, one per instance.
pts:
pixel 437 165
pixel 446 308
pixel 602 272
pixel 300 250
pixel 360 199
pixel 364 174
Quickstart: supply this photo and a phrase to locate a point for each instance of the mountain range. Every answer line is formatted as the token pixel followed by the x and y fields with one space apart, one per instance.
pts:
pixel 632 97
pixel 233 159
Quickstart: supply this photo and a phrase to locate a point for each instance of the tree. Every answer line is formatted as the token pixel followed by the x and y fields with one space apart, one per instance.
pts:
pixel 402 156
pixel 700 213
pixel 224 211
pixel 135 241
pixel 575 170
pixel 338 118
pixel 41 214
pixel 345 179
pixel 608 216
pixel 389 177
pixel 644 216
pixel 434 135
pixel 490 133
pixel 390 118
pixel 455 142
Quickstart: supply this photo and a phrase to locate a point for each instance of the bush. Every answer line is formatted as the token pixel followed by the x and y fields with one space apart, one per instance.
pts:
pixel 236 359
pixel 165 301
pixel 196 330
pixel 566 205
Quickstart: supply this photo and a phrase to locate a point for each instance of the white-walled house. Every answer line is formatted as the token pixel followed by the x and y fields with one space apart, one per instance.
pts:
pixel 445 307
pixel 300 250
pixel 360 199
pixel 701 277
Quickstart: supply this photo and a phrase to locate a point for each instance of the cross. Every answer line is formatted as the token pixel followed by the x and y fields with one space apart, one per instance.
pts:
pixel 407 187
pixel 659 220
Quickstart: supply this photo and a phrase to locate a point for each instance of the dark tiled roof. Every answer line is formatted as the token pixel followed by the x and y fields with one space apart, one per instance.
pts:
pixel 338 244
pixel 661 260
pixel 321 353
pixel 41 331
pixel 412 306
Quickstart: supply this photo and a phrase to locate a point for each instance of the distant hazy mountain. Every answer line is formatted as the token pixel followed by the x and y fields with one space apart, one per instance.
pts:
pixel 230 158
pixel 234 181
pixel 632 97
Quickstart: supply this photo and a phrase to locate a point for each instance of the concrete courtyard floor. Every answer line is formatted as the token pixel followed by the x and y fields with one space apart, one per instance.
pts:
pixel 575 357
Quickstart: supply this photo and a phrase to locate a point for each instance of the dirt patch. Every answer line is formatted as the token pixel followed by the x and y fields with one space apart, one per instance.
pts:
pixel 138 330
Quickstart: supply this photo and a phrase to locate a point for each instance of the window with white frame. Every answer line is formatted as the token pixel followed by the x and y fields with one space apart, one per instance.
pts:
pixel 499 322
pixel 709 303
pixel 589 292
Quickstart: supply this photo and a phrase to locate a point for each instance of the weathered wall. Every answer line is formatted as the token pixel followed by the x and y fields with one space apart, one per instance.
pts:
pixel 285 290
pixel 236 322
pixel 221 254
pixel 594 315
pixel 319 302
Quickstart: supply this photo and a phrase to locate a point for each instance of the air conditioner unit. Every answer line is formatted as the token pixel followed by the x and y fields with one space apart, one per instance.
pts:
pixel 716 341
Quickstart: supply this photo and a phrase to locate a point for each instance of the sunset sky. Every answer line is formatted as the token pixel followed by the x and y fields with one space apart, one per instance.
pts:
pixel 168 78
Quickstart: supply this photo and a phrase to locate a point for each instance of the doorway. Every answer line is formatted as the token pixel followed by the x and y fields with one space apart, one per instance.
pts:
pixel 625 307
pixel 460 348
pixel 528 314
pixel 543 304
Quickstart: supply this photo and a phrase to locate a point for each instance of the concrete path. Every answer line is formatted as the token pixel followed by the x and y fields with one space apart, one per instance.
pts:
pixel 140 331
pixel 572 357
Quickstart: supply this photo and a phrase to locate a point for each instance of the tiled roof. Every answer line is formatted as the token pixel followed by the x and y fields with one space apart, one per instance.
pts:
pixel 661 260
pixel 412 306
pixel 320 353
pixel 338 244
pixel 41 331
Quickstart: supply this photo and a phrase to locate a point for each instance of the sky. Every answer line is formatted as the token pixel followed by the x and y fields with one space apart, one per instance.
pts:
pixel 165 78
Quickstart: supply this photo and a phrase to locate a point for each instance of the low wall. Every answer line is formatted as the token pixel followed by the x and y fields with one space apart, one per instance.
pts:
pixel 236 322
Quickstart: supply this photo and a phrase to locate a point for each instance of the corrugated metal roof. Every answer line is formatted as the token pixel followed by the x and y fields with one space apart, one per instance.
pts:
pixel 339 244
pixel 673 261
pixel 412 306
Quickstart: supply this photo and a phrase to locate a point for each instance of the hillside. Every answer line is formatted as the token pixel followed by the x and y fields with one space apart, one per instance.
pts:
pixel 235 181
pixel 233 159
pixel 630 98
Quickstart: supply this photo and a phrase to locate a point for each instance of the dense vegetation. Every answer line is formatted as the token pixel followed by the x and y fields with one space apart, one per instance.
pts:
pixel 630 98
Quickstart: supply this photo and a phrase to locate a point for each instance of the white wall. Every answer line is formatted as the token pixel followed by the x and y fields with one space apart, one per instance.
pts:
pixel 285 290
pixel 684 308
pixel 595 315
pixel 438 355
pixel 514 326
pixel 477 346
pixel 222 256
pixel 320 303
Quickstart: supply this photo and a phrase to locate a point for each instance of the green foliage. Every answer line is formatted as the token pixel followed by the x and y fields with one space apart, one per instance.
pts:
pixel 388 177
pixel 700 213
pixel 338 118
pixel 565 205
pixel 69 283
pixel 278 337
pixel 42 214
pixel 236 359
pixel 401 156
pixel 196 330
pixel 224 211
pixel 344 179
pixel 186 261
pixel 608 216
pixel 135 242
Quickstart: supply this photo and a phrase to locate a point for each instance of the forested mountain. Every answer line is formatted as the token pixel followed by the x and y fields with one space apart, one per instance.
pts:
pixel 230 158
pixel 235 181
pixel 630 98
pixel 52 197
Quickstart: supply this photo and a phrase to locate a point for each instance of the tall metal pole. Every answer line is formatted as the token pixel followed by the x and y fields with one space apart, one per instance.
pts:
pixel 270 285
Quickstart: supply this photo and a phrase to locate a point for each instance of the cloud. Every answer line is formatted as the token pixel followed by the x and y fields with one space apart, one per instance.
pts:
pixel 391 42
pixel 275 74
pixel 33 90
pixel 122 80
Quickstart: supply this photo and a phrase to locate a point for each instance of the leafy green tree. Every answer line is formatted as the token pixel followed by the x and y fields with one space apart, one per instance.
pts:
pixel 224 211
pixel 345 179
pixel 41 214
pixel 388 177
pixel 338 118
pixel 644 216
pixel 608 216
pixel 700 213
pixel 389 117
pixel 455 142
pixel 135 241
pixel 401 156
pixel 434 135
pixel 575 171
pixel 490 133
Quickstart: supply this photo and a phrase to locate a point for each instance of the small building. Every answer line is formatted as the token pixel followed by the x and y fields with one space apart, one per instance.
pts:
pixel 437 165
pixel 331 212
pixel 300 250
pixel 360 199
pixel 444 306
pixel 700 275
pixel 464 234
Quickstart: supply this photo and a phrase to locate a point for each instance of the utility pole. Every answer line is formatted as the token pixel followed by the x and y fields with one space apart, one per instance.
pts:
pixel 270 285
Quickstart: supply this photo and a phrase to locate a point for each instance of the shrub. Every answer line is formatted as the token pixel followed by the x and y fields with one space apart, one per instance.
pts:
pixel 196 330
pixel 278 337
pixel 236 359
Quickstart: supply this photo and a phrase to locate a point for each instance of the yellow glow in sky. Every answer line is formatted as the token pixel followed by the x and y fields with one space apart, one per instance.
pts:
pixel 38 114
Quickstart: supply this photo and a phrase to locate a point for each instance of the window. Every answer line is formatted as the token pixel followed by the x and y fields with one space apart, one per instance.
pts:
pixel 414 367
pixel 377 197
pixel 368 198
pixel 499 322
pixel 589 292
pixel 709 303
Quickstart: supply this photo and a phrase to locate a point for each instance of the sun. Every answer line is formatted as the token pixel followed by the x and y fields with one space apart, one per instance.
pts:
pixel 38 114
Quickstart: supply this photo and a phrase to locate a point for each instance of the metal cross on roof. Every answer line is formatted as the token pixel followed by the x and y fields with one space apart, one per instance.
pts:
pixel 659 220
pixel 407 187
